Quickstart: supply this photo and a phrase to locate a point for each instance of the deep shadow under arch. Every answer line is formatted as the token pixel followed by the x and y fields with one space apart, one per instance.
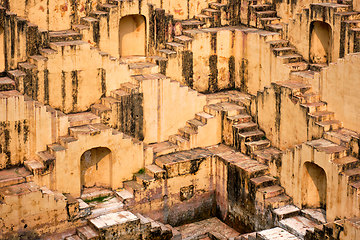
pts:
pixel 314 186
pixel 95 168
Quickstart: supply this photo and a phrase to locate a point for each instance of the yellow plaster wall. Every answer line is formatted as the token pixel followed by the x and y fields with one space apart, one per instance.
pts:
pixel 339 87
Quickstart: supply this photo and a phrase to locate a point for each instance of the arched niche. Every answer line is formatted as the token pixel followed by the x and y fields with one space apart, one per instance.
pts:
pixel 320 42
pixel 314 186
pixel 132 35
pixel 95 168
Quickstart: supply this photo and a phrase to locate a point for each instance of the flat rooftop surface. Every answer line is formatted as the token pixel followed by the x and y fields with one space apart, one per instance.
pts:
pixel 206 228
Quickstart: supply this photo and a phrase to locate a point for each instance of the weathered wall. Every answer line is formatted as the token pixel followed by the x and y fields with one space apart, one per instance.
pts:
pixel 27 129
pixel 339 88
pixel 342 200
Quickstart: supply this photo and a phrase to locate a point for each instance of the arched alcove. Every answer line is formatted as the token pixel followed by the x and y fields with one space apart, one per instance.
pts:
pixel 95 168
pixel 320 42
pixel 132 35
pixel 314 186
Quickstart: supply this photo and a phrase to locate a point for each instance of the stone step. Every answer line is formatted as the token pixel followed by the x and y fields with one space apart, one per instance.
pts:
pixel 317 67
pixel 251 136
pixel 314 106
pixel 95 192
pixel 66 140
pixel 278 201
pixel 203 117
pixel 269 20
pixel 211 11
pixel 298 225
pixel 263 182
pixel 346 163
pixel 76 44
pixel 191 24
pixel 341 136
pixel 158 60
pixel 133 187
pixel 35 167
pixel 140 68
pixel 280 51
pixel 208 20
pixel 163 148
pixel 215 98
pixel 144 179
pixel 177 164
pixel 275 234
pixel 64 35
pixel 144 221
pixel 185 40
pixel 182 142
pixel 278 43
pixel 291 58
pixel 73 237
pixel 195 124
pixel 247 236
pixel 257 145
pixel 308 97
pixel 316 215
pixel 98 14
pixel 187 132
pixel 244 127
pixel 297 66
pixel 155 171
pixel 274 28
pixel 260 7
pixel 251 168
pixel 117 94
pixel 99 109
pixel 119 220
pixel 54 148
pixel 239 119
pixel 267 155
pixel 287 211
pixel 306 76
pixel 298 89
pixel 90 130
pixel 79 119
pixel 230 109
pixel 174 46
pixel 270 191
pixel 133 59
pixel 217 5
pixel 87 233
pixel 6 84
pixel 127 197
pixel 14 176
pixel 352 175
pixel 265 14
pixel 352 23
pixel 129 88
pixel 11 194
pixel 80 28
pixel 47 159
pixel 167 53
pixel 329 148
pixel 109 206
pixel 84 209
pixel 320 116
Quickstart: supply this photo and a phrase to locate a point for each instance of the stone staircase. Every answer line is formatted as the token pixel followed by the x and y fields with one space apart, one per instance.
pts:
pixel 122 225
pixel 18 191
